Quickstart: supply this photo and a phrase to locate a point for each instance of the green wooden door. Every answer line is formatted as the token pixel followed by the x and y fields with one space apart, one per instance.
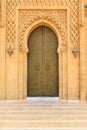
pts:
pixel 42 63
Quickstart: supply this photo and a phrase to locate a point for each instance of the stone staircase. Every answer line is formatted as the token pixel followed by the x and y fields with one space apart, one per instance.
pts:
pixel 45 115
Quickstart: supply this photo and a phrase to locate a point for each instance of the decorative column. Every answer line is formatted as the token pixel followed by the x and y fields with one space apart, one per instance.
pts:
pixel 82 52
pixel 11 51
pixel 25 74
pixel 21 74
pixel 65 76
pixel 73 51
pixel 60 74
pixel 2 50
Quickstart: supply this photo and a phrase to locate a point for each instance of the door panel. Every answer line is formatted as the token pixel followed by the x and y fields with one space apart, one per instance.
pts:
pixel 35 40
pixel 42 63
pixel 51 67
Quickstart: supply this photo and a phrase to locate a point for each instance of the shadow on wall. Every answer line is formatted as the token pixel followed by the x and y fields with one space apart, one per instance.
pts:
pixel 0 11
pixel 0 4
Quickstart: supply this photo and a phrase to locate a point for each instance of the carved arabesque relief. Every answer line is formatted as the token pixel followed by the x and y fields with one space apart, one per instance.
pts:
pixel 40 3
pixel 74 22
pixel 57 17
pixel 11 22
pixel 54 17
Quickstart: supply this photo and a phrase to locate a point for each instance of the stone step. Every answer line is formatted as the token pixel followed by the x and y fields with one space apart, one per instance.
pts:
pixel 42 117
pixel 12 102
pixel 44 108
pixel 44 103
pixel 66 128
pixel 42 113
pixel 43 124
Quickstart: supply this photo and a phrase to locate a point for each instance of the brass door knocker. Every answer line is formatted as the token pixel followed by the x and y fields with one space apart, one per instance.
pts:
pixel 47 67
pixel 37 67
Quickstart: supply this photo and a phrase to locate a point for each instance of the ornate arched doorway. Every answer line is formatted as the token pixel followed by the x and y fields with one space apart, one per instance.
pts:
pixel 42 63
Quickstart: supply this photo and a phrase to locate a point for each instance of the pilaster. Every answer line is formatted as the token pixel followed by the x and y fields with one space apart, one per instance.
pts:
pixel 2 50
pixel 82 54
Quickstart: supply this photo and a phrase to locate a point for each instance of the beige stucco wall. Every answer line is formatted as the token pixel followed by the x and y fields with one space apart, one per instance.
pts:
pixel 85 2
pixel 2 60
pixel 85 38
pixel 13 70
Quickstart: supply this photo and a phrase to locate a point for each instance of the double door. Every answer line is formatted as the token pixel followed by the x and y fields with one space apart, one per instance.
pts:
pixel 42 75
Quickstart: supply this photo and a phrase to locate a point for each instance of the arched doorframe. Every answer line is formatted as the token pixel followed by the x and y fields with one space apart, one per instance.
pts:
pixel 34 25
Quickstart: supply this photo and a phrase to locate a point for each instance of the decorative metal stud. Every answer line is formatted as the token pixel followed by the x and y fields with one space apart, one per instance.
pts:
pixel 10 50
pixel 75 50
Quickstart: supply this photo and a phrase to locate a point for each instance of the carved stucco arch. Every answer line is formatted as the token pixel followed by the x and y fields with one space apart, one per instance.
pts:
pixel 26 36
pixel 55 19
pixel 38 23
pixel 28 21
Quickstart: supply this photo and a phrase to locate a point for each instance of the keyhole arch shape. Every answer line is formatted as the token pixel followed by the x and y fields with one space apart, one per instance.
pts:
pixel 39 23
pixel 52 26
